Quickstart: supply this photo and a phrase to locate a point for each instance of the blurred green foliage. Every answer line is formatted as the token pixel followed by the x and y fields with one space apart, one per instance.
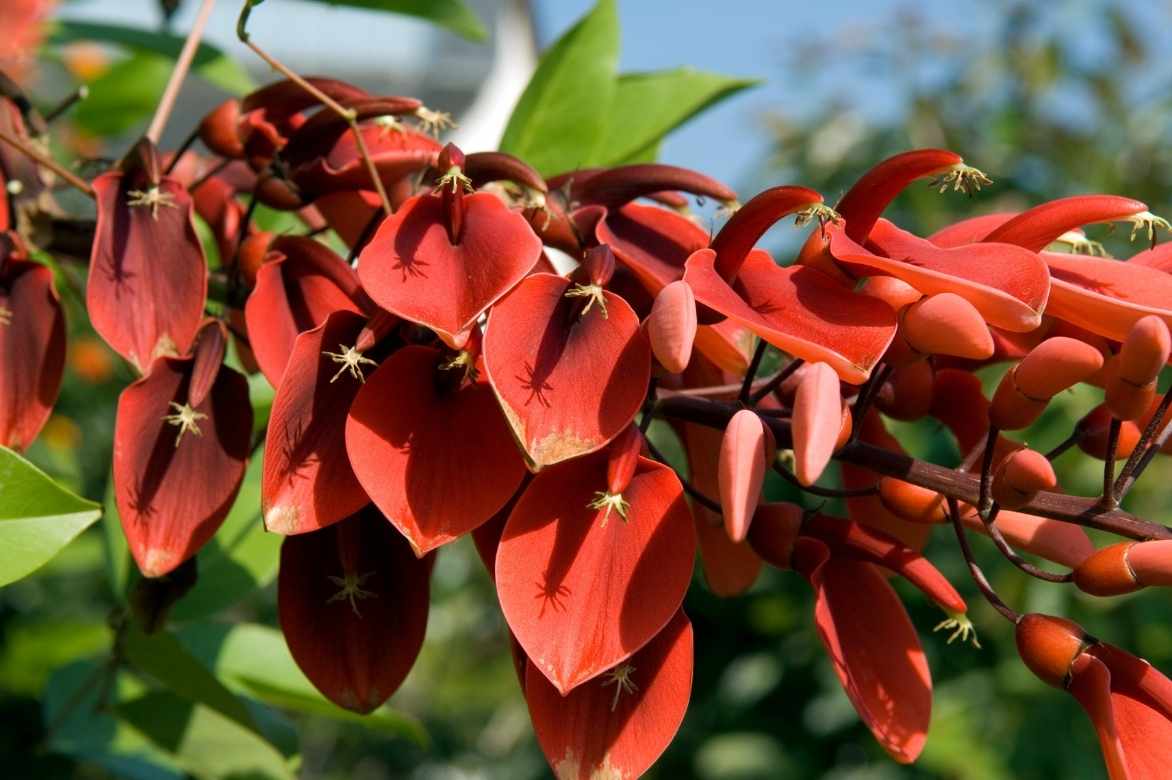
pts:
pixel 219 696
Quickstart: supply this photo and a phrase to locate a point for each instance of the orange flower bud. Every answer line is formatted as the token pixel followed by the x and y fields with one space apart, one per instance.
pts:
pixel 671 326
pixel 946 324
pixel 1094 426
pixel 908 394
pixel 911 502
pixel 1019 478
pixel 1048 646
pixel 816 422
pixel 1125 399
pixel 741 471
pixel 1145 351
pixel 896 293
pixel 1107 572
pixel 1055 365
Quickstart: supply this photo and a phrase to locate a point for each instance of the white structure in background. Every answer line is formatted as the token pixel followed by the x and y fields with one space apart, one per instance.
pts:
pixel 514 58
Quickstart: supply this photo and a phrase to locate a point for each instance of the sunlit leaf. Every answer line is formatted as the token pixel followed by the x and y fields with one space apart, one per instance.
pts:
pixel 562 115
pixel 38 517
pixel 454 15
pixel 124 96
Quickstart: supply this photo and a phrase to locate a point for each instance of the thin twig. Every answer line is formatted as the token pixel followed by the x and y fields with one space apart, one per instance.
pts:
pixel 1011 555
pixel 346 113
pixel 1108 498
pixel 978 576
pixel 1077 435
pixel 986 502
pixel 182 150
pixel 823 492
pixel 1141 446
pixel 751 371
pixel 775 381
pixel 211 174
pixel 41 158
pixel 72 99
pixel 179 73
pixel 1152 450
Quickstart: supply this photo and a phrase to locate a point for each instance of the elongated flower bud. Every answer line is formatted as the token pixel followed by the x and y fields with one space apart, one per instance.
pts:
pixel 1048 646
pixel 742 471
pixel 946 324
pixel 671 326
pixel 1020 476
pixel 1126 567
pixel 1051 367
pixel 817 421
pixel 912 502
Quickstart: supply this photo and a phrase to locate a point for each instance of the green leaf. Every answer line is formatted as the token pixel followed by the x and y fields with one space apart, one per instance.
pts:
pixel 648 106
pixel 163 657
pixel 210 62
pixel 201 740
pixel 563 114
pixel 451 14
pixel 238 560
pixel 254 661
pixel 38 517
pixel 124 96
pixel 119 563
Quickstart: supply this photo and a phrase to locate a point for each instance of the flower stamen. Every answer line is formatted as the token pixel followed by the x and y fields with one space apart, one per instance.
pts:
pixel 432 122
pixel 620 678
pixel 610 501
pixel 592 292
pixel 961 627
pixel 186 419
pixel 1079 244
pixel 350 585
pixel 152 198
pixel 454 178
pixel 352 360
pixel 961 178
pixel 820 212
pixel 387 124
pixel 1147 222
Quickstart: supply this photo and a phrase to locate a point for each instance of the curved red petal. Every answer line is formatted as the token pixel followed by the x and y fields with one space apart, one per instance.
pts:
pixel 1105 296
pixel 582 590
pixel 294 294
pixel 437 464
pixel 353 603
pixel 1040 226
pixel 876 654
pixel 568 383
pixel 971 230
pixel 148 278
pixel 1008 285
pixel 616 726
pixel 799 310
pixel 174 486
pixel 307 481
pixel 411 269
pixel 1090 684
pixel 32 350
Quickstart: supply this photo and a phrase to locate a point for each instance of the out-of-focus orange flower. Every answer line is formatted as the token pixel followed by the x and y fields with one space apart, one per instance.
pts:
pixel 90 359
pixel 61 433
pixel 23 24
pixel 86 61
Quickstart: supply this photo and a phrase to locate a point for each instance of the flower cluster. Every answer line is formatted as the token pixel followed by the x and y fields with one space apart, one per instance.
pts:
pixel 454 379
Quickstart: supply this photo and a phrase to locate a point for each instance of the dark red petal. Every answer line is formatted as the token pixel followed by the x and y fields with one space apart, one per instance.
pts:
pixel 876 654
pixel 172 496
pixel 568 384
pixel 1090 683
pixel 868 509
pixel 436 464
pixel 307 482
pixel 616 726
pixel 411 269
pixel 295 294
pixel 32 350
pixel 653 242
pixel 353 603
pixel 1008 285
pixel 799 310
pixel 148 278
pixel 875 189
pixel 582 589
pixel 1037 228
pixel 749 223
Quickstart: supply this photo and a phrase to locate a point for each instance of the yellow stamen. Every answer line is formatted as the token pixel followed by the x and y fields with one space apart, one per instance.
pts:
pixel 352 360
pixel 620 678
pixel 456 179
pixel 961 178
pixel 1147 222
pixel 820 212
pixel 152 198
pixel 593 292
pixel 961 627
pixel 351 590
pixel 187 420
pixel 608 501
pixel 5 315
pixel 432 122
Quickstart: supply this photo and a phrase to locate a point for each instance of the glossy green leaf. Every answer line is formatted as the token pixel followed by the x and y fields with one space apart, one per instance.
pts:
pixel 124 96
pixel 210 62
pixel 563 114
pixel 648 106
pixel 201 740
pixel 453 15
pixel 38 517
pixel 76 725
pixel 239 559
pixel 163 657
pixel 254 661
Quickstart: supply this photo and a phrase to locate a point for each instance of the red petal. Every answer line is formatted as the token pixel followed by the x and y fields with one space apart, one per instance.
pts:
pixel 749 223
pixel 869 510
pixel 1008 285
pixel 293 295
pixel 603 730
pixel 651 241
pixel 436 464
pixel 876 654
pixel 875 189
pixel 147 278
pixel 582 594
pixel 799 310
pixel 172 497
pixel 1090 683
pixel 567 384
pixel 1053 540
pixel 971 230
pixel 410 268
pixel 358 650
pixel 1037 228
pixel 1105 296
pixel 308 482
pixel 32 350
pixel 959 402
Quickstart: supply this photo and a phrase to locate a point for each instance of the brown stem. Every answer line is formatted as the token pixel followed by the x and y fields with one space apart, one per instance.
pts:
pixel 978 576
pixel 179 73
pixel 775 381
pixel 955 484
pixel 1011 555
pixel 751 372
pixel 41 158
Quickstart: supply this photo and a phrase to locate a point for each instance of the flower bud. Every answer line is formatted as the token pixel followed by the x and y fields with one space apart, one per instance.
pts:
pixel 816 422
pixel 741 469
pixel 773 533
pixel 946 324
pixel 1020 476
pixel 912 502
pixel 1107 572
pixel 219 130
pixel 907 395
pixel 1049 645
pixel 1094 428
pixel 1145 351
pixel 671 326
pixel 1125 399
